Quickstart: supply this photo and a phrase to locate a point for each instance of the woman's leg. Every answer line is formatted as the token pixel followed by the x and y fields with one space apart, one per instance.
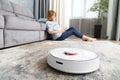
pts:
pixel 80 35
pixel 73 31
pixel 69 32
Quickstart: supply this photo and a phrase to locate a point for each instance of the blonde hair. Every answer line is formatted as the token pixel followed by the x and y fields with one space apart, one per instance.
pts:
pixel 50 14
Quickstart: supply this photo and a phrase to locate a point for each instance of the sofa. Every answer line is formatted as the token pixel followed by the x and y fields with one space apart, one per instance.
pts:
pixel 18 26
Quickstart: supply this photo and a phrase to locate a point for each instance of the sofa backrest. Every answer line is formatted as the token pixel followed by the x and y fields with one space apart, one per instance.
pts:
pixel 6 8
pixel 19 10
pixel 10 8
pixel 6 5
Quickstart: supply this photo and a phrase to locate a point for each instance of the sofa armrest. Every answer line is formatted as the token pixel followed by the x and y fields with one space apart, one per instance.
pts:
pixel 13 22
pixel 1 21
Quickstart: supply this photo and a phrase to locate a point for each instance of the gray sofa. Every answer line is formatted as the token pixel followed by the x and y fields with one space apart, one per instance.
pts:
pixel 18 26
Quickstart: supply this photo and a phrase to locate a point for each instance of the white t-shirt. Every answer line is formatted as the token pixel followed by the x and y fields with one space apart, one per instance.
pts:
pixel 53 26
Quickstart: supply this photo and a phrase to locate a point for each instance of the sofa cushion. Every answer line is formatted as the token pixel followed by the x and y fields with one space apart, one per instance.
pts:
pixel 1 38
pixel 1 21
pixel 16 37
pixel 42 35
pixel 22 10
pixel 42 20
pixel 3 12
pixel 21 24
pixel 42 26
pixel 6 5
pixel 24 17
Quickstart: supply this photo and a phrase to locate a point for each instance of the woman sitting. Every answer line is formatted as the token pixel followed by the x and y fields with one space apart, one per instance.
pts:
pixel 58 33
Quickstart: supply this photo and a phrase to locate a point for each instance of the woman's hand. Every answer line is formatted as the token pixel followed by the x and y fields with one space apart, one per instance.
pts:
pixel 65 28
pixel 62 30
pixel 57 31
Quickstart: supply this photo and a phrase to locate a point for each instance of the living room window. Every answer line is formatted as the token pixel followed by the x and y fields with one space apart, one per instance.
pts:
pixel 79 9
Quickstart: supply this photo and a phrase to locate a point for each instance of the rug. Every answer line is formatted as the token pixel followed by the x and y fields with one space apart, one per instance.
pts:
pixel 28 62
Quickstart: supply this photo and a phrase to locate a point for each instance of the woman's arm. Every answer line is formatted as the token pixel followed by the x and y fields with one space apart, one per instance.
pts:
pixel 57 31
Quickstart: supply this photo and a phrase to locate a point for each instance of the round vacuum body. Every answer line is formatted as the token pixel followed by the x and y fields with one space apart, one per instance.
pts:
pixel 73 60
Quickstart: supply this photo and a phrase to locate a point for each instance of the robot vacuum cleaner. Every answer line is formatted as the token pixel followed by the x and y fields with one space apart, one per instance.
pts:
pixel 73 60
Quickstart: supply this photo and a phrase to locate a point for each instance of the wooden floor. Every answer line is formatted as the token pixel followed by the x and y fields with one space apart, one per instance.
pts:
pixel 116 42
pixel 29 62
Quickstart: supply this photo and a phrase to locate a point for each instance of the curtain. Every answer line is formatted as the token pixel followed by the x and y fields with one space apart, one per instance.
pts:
pixel 113 28
pixel 80 9
pixel 41 8
pixel 59 7
pixel 67 9
pixel 83 19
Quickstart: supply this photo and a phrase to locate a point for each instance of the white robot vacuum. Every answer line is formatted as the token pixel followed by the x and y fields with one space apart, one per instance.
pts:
pixel 73 60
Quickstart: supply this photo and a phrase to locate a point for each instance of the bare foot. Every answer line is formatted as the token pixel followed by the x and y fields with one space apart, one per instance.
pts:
pixel 92 39
pixel 86 38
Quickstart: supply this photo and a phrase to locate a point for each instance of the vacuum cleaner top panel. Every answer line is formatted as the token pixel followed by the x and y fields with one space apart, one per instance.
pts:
pixel 73 54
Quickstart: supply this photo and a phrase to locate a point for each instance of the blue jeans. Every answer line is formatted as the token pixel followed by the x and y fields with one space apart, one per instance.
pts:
pixel 69 32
